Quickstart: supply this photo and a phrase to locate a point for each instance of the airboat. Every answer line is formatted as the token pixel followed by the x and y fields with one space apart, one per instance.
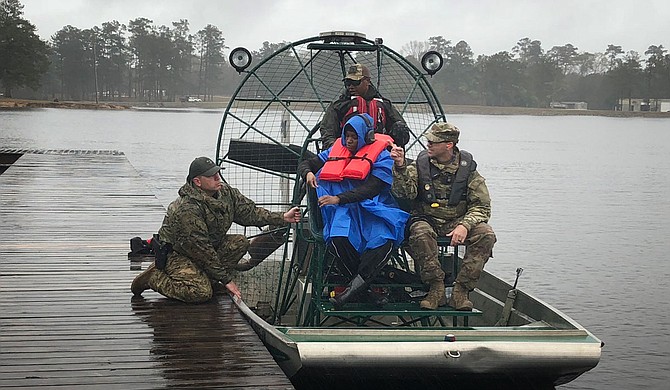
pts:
pixel 511 339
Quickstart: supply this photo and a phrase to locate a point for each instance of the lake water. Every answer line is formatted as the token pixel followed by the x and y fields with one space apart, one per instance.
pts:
pixel 581 203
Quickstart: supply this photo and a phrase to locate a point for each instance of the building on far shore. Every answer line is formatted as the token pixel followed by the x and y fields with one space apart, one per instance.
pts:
pixel 639 104
pixel 569 105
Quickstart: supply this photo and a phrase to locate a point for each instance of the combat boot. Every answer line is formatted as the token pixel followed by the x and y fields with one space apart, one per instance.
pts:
pixel 247 264
pixel 459 298
pixel 435 297
pixel 141 281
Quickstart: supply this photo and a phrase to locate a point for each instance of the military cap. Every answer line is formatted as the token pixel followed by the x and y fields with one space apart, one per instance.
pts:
pixel 357 72
pixel 441 132
pixel 202 166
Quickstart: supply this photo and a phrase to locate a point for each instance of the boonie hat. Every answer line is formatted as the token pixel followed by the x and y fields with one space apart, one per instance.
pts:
pixel 443 131
pixel 202 166
pixel 357 72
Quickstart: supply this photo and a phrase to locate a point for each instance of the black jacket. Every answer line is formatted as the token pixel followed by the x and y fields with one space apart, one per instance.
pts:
pixel 336 111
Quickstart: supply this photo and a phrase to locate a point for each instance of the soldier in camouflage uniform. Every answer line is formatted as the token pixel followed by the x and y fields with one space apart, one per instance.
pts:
pixel 387 119
pixel 203 255
pixel 449 198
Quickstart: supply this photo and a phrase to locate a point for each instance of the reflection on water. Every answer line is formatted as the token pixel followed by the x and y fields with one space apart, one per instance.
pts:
pixel 198 346
pixel 183 343
pixel 581 203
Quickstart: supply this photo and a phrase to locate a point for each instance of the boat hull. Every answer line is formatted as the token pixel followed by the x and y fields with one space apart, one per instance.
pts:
pixel 551 351
pixel 516 357
pixel 517 362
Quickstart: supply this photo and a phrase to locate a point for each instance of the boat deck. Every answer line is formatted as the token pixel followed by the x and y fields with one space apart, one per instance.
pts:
pixel 67 319
pixel 406 314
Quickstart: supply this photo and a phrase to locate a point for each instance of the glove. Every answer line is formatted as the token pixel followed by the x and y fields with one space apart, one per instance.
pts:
pixel 400 133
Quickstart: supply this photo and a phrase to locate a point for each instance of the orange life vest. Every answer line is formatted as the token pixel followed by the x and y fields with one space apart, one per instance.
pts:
pixel 341 164
pixel 374 108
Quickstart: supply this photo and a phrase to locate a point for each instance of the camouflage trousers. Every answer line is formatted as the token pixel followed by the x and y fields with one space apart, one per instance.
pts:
pixel 422 246
pixel 185 280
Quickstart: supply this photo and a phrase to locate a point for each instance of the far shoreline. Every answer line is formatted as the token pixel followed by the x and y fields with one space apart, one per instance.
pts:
pixel 221 103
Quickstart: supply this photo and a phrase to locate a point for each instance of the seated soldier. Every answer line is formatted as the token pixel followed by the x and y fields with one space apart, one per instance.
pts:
pixel 362 221
pixel 450 199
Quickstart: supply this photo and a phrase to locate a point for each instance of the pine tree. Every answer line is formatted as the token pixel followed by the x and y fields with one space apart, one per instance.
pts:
pixel 24 56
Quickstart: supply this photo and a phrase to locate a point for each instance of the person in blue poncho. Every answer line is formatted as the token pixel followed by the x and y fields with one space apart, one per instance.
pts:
pixel 362 220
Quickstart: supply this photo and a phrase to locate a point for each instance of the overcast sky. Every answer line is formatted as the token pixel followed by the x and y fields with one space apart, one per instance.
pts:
pixel 489 26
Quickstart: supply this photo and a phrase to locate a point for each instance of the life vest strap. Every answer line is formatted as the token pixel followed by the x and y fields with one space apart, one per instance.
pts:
pixel 374 108
pixel 360 165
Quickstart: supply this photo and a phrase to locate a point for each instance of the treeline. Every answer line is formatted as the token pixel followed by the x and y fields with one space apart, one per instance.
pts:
pixel 114 61
pixel 529 76
pixel 140 61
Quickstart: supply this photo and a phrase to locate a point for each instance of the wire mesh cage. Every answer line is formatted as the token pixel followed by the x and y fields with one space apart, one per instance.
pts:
pixel 273 117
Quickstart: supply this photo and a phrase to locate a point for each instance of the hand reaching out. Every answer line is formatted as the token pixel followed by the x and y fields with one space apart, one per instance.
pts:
pixel 293 215
pixel 398 155
pixel 233 290
pixel 458 235
pixel 328 199
pixel 310 179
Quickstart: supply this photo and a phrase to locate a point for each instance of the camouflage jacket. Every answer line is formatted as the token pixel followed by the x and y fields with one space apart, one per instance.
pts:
pixel 196 223
pixel 331 123
pixel 475 209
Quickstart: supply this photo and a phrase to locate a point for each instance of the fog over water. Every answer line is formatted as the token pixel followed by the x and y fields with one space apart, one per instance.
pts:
pixel 581 203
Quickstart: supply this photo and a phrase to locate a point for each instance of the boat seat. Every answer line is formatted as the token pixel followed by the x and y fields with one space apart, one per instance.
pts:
pixel 447 255
pixel 405 279
pixel 407 313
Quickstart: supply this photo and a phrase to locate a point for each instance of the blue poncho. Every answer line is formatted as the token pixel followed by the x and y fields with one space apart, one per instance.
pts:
pixel 372 222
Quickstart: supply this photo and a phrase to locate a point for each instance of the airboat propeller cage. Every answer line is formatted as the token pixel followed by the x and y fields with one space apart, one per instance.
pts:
pixel 281 98
pixel 273 118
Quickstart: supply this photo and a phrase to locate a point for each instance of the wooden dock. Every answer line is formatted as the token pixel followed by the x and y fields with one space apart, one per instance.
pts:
pixel 67 319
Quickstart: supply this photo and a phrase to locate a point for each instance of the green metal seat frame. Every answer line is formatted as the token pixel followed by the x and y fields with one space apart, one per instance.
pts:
pixel 320 312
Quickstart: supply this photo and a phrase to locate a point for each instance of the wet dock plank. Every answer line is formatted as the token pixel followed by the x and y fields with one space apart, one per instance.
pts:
pixel 66 315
